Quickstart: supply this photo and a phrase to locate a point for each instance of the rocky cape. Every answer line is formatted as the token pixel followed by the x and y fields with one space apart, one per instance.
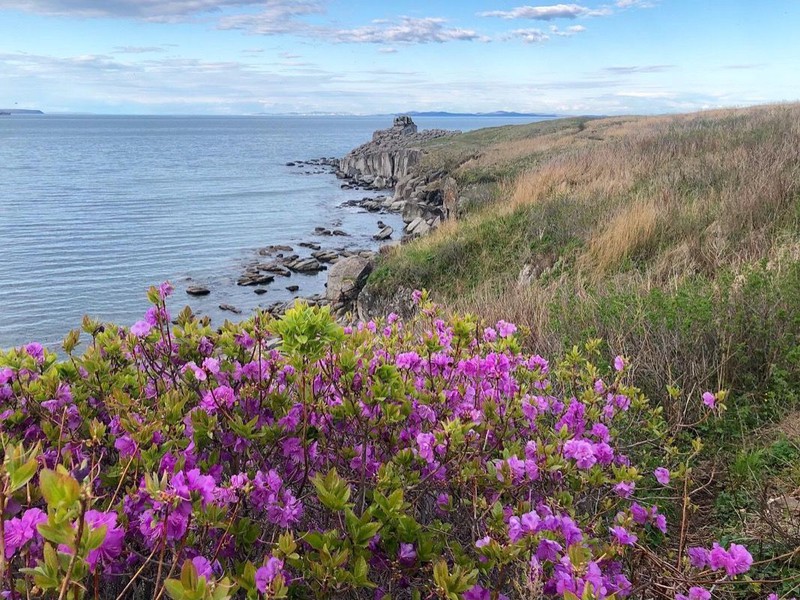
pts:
pixel 390 164
pixel 392 161
pixel 389 156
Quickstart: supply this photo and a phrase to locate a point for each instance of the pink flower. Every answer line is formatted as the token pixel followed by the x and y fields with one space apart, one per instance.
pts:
pixel 407 554
pixel 662 475
pixel 203 566
pixel 111 547
pixel 619 363
pixel 699 558
pixel 623 536
pixel 695 593
pixel 165 290
pixel 35 351
pixel 141 328
pixel 21 530
pixel 505 329
pixel 581 451
pixel 740 560
pixel 709 399
pixel 266 575
pixel 624 489
pixel 425 443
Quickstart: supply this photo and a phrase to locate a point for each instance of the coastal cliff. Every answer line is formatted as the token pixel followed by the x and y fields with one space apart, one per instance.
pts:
pixel 389 156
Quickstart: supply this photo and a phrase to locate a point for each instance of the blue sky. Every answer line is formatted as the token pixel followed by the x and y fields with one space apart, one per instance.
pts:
pixel 366 57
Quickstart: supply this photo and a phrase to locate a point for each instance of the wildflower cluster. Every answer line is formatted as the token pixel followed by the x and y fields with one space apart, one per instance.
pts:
pixel 428 458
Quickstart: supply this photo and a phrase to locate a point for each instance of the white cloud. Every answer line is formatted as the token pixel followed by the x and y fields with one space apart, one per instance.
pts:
pixel 137 49
pixel 409 30
pixel 547 13
pixel 530 36
pixel 628 70
pixel 568 32
pixel 157 10
pixel 388 50
pixel 635 3
pixel 277 17
pixel 645 94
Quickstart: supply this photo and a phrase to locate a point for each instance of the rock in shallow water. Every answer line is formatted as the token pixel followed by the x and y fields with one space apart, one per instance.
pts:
pixel 383 234
pixel 197 290
pixel 255 279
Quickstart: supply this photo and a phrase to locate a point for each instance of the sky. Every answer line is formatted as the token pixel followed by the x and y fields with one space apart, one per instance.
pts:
pixel 388 56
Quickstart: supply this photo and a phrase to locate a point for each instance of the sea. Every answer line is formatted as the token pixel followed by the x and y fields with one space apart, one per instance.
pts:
pixel 95 209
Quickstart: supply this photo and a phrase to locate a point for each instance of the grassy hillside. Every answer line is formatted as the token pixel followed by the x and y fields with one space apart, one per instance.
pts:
pixel 675 239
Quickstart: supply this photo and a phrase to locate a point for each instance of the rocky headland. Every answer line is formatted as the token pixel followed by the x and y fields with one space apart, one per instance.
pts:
pixel 391 161
pixel 389 164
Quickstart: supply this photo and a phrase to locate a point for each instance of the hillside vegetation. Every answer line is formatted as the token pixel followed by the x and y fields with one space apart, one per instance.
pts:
pixel 626 226
pixel 676 240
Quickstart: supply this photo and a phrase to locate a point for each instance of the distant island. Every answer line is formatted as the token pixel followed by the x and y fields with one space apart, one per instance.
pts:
pixel 19 111
pixel 497 113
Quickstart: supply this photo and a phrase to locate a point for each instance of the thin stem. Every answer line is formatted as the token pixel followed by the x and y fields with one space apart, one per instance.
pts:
pixel 81 524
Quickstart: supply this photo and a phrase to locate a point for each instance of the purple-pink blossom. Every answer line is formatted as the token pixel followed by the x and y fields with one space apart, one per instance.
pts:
pixel 21 530
pixel 266 575
pixel 662 475
pixel 581 451
pixel 141 328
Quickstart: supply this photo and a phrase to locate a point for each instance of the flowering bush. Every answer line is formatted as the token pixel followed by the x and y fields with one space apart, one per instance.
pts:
pixel 426 459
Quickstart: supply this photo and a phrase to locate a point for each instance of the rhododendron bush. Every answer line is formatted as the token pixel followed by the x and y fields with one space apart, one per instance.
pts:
pixel 297 458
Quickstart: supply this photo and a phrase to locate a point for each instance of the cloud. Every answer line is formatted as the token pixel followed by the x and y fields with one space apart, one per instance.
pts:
pixel 279 16
pixel 137 49
pixel 387 50
pixel 409 30
pixel 635 3
pixel 568 32
pixel 257 17
pixel 156 10
pixel 639 69
pixel 537 36
pixel 645 94
pixel 530 36
pixel 547 13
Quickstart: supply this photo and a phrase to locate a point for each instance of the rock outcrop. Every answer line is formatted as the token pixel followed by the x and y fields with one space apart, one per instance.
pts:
pixel 345 281
pixel 374 303
pixel 390 155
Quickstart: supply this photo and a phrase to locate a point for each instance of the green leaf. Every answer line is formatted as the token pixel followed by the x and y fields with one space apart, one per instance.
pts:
pixel 60 490
pixel 189 575
pixel 22 475
pixel 95 537
pixel 58 533
pixel 174 589
pixel 332 490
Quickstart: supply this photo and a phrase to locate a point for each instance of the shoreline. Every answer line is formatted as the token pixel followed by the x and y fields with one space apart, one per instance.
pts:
pixel 386 166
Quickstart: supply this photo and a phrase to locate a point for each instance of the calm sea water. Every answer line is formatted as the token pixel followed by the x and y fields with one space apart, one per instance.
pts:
pixel 94 209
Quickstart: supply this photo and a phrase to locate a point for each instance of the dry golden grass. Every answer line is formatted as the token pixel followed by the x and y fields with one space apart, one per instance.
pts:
pixel 632 228
pixel 715 181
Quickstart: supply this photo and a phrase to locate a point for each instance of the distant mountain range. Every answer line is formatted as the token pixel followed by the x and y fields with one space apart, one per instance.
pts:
pixel 20 111
pixel 497 113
